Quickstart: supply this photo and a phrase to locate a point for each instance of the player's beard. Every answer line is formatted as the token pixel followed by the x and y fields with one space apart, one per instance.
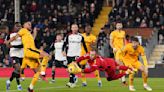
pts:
pixel 135 47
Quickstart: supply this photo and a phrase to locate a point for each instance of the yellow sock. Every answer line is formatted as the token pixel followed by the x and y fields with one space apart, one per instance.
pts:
pixel 97 75
pixel 44 63
pixel 34 80
pixel 131 79
pixel 83 78
pixel 144 77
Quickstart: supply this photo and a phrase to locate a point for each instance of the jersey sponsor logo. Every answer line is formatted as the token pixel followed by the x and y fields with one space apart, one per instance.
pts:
pixel 74 42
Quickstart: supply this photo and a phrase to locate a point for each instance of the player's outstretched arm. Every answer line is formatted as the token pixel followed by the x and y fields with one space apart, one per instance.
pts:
pixel 91 69
pixel 84 57
pixel 11 39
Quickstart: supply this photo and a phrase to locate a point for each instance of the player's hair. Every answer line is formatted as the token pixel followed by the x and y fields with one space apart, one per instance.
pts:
pixel 25 22
pixel 74 24
pixel 87 26
pixel 58 34
pixel 134 39
pixel 118 21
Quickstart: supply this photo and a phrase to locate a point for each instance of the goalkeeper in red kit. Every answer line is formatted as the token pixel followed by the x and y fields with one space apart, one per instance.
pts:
pixel 108 65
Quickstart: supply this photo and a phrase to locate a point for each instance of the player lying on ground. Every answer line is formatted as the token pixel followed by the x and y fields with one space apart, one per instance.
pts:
pixel 99 63
pixel 129 55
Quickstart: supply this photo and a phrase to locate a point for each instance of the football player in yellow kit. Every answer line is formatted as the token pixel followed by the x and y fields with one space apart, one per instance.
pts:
pixel 129 55
pixel 117 42
pixel 89 39
pixel 31 54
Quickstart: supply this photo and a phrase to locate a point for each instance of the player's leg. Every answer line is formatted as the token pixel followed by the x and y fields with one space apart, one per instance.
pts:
pixel 23 66
pixel 131 84
pixel 97 75
pixel 83 77
pixel 117 58
pixel 18 60
pixel 53 71
pixel 71 83
pixel 131 76
pixel 38 54
pixel 15 74
pixel 22 75
pixel 45 60
pixel 64 64
pixel 144 75
pixel 111 75
pixel 34 65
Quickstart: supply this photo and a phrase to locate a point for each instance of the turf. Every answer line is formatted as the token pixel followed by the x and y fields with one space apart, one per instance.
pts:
pixel 59 86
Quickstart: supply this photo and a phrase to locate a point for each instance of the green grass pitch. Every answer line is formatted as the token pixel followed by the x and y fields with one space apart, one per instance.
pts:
pixel 157 85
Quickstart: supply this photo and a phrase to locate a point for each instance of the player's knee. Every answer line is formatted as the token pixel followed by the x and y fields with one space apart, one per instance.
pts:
pixel 35 70
pixel 142 69
pixel 17 67
pixel 22 70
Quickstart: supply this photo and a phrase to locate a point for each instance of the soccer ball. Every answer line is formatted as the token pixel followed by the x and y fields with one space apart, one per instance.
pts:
pixel 74 68
pixel 71 69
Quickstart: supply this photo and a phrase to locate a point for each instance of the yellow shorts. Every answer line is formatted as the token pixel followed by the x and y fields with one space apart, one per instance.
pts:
pixel 136 64
pixel 118 56
pixel 83 62
pixel 32 53
pixel 32 63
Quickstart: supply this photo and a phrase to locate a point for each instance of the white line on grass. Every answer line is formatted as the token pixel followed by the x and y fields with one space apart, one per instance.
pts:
pixel 36 89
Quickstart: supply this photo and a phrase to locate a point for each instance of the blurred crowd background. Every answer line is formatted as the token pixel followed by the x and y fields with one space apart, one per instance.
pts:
pixel 56 16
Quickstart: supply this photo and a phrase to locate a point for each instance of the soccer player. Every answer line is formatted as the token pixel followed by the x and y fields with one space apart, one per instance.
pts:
pixel 56 49
pixel 117 42
pixel 129 55
pixel 103 64
pixel 89 39
pixel 72 45
pixel 16 53
pixel 31 54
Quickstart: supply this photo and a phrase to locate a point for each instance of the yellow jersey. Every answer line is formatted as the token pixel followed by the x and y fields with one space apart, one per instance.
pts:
pixel 131 54
pixel 118 39
pixel 88 41
pixel 27 38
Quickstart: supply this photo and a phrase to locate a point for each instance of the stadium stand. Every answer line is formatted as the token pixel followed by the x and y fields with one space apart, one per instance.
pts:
pixel 50 17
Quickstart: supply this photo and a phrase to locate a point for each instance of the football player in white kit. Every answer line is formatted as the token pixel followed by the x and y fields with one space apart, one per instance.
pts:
pixel 58 59
pixel 16 53
pixel 72 45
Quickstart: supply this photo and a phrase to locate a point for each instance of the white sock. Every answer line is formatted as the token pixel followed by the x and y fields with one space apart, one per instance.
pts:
pixel 31 86
pixel 43 73
pixel 123 79
pixel 99 81
pixel 19 85
pixel 145 84
pixel 8 81
pixel 131 86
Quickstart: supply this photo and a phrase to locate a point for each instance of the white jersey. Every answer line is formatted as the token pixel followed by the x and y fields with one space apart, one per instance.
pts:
pixel 58 51
pixel 74 42
pixel 16 52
